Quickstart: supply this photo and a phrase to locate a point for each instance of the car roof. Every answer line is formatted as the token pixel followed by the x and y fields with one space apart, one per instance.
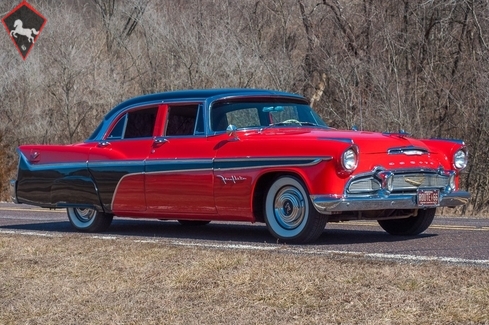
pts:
pixel 196 95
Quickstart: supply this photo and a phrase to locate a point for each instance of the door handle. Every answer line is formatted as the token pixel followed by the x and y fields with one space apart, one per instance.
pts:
pixel 103 144
pixel 159 142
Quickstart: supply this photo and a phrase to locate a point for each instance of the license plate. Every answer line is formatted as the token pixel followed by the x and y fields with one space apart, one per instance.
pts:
pixel 428 198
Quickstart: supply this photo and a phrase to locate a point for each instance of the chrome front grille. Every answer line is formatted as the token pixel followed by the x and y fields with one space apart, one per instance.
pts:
pixel 364 186
pixel 413 181
pixel 402 182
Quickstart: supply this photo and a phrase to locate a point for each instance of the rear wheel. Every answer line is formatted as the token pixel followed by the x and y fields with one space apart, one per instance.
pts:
pixel 411 226
pixel 89 220
pixel 289 213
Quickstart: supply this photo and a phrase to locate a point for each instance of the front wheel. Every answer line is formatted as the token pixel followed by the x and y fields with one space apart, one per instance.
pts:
pixel 89 220
pixel 411 226
pixel 289 213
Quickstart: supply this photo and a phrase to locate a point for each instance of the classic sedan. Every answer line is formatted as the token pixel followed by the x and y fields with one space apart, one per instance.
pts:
pixel 241 155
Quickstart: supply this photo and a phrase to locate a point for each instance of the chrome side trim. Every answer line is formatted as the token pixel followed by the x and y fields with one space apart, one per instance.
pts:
pixel 13 191
pixel 457 141
pixel 106 163
pixel 266 162
pixel 345 140
pixel 176 171
pixel 326 204
pixel 40 167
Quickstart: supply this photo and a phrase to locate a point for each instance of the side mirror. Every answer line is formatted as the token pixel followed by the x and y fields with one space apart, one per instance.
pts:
pixel 231 131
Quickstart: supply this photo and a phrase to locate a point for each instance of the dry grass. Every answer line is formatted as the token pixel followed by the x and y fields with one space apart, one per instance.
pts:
pixel 76 280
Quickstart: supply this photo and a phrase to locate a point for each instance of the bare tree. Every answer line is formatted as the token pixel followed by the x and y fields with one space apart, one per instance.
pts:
pixel 416 65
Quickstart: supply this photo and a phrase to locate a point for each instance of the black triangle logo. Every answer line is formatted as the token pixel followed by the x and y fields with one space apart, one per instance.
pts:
pixel 24 25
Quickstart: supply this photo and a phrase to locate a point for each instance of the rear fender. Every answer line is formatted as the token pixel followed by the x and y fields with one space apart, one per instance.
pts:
pixel 75 191
pixel 55 154
pixel 52 176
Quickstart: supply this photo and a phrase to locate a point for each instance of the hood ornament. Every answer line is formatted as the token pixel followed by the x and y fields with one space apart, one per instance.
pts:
pixel 408 151
pixel 415 181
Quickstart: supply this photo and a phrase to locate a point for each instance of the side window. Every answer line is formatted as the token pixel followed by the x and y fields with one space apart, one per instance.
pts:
pixel 200 129
pixel 118 129
pixel 182 120
pixel 140 123
pixel 135 124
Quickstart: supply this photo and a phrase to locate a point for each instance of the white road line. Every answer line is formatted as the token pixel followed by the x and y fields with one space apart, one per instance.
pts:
pixel 415 258
pixel 31 233
pixel 271 248
pixel 104 237
pixel 381 256
pixel 433 226
pixel 46 210
pixel 45 219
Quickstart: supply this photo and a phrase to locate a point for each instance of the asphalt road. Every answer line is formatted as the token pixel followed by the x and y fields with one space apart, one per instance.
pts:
pixel 457 240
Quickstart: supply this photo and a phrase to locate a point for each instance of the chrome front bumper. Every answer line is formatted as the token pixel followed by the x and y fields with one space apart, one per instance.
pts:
pixel 327 204
pixel 13 190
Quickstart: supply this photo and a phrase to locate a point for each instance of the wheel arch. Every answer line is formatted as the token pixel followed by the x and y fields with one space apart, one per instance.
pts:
pixel 261 187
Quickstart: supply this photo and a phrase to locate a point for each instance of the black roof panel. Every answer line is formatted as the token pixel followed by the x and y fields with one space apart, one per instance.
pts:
pixel 195 94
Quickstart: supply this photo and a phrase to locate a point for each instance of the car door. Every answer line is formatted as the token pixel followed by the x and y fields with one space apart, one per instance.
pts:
pixel 235 166
pixel 179 179
pixel 117 163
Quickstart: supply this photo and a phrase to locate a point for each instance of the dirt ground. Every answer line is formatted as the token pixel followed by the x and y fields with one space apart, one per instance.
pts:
pixel 75 280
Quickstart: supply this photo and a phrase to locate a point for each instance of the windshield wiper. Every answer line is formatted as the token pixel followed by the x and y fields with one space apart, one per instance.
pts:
pixel 292 122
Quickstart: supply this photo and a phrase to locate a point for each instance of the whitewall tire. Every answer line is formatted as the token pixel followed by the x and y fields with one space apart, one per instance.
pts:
pixel 289 213
pixel 89 220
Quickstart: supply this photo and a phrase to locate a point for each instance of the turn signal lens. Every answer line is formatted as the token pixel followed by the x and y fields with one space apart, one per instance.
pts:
pixel 460 159
pixel 451 182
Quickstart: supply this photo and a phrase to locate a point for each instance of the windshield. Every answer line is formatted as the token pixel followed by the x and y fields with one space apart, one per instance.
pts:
pixel 262 114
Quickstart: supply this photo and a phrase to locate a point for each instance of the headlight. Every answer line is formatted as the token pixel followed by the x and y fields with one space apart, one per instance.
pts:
pixel 460 159
pixel 349 159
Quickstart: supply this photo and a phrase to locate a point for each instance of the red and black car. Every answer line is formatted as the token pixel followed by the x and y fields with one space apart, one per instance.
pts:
pixel 241 155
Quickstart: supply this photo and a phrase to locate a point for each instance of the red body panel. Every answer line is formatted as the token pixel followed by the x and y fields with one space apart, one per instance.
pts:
pixel 55 154
pixel 130 196
pixel 179 178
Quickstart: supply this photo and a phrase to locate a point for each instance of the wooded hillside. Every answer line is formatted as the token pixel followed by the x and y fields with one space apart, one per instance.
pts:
pixel 420 66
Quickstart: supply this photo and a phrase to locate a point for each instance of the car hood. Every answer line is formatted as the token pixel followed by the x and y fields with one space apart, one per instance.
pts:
pixel 368 142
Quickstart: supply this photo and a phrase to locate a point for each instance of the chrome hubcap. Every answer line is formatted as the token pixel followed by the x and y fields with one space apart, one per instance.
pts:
pixel 289 207
pixel 84 215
